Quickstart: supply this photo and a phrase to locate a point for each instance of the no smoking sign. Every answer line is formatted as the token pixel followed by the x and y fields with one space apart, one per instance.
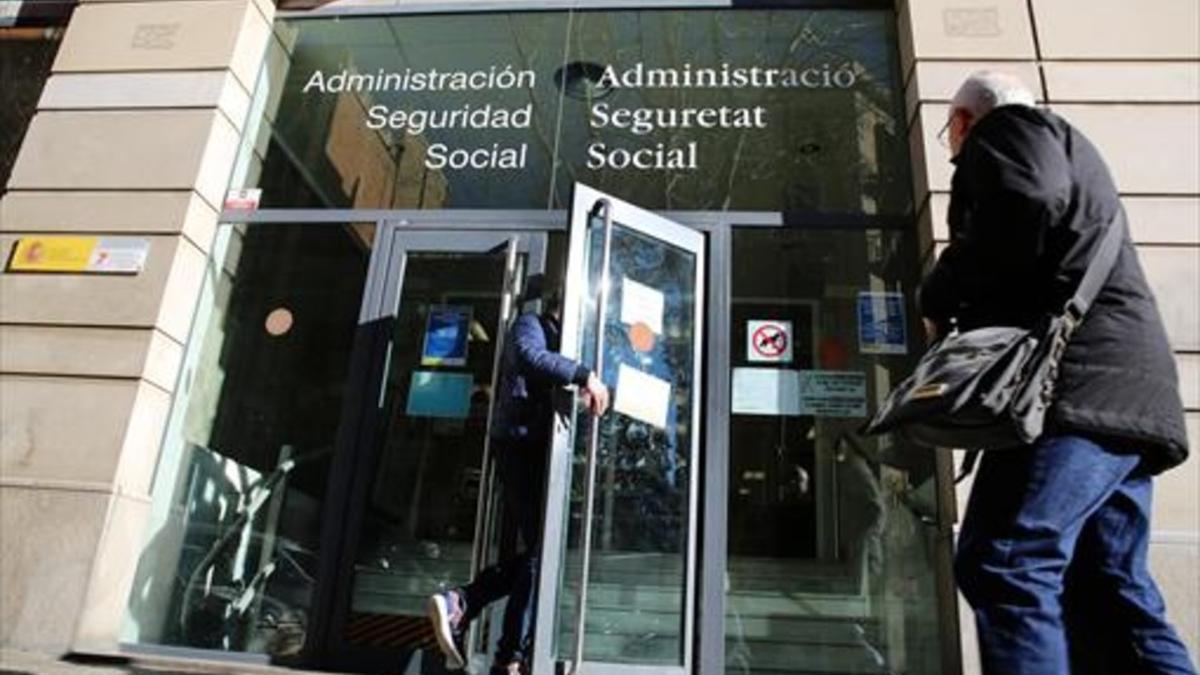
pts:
pixel 769 341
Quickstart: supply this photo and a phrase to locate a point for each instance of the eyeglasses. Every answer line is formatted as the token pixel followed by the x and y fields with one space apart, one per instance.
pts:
pixel 943 136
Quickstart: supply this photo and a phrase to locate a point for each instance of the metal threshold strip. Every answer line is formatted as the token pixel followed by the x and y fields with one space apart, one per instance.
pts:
pixel 150 659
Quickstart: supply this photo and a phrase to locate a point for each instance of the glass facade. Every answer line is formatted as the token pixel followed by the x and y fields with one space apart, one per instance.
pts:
pixel 322 473
pixel 830 544
pixel 233 547
pixel 777 110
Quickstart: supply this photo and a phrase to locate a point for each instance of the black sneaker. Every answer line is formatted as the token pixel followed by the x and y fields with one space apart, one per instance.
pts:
pixel 445 612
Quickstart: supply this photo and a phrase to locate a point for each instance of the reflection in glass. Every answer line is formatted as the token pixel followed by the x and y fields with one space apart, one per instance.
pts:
pixel 616 99
pixel 391 143
pixel 419 517
pixel 232 548
pixel 638 577
pixel 824 132
pixel 830 564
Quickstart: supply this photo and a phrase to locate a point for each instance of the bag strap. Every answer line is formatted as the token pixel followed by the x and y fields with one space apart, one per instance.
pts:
pixel 968 466
pixel 1104 257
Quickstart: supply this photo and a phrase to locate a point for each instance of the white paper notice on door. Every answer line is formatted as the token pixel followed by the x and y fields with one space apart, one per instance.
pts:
pixel 822 393
pixel 642 396
pixel 641 304
pixel 766 391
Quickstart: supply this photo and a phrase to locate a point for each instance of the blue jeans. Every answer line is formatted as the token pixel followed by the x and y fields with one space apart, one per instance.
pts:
pixel 521 469
pixel 1035 512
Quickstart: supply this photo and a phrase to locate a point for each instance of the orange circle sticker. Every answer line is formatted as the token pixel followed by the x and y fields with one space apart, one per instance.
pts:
pixel 641 337
pixel 279 321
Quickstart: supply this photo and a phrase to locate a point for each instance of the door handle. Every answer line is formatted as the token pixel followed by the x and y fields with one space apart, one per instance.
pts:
pixel 589 490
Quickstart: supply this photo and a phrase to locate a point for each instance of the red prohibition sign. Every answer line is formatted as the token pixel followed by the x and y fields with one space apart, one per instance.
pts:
pixel 770 340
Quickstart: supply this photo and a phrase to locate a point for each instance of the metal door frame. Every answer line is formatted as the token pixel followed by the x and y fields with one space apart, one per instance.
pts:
pixel 361 432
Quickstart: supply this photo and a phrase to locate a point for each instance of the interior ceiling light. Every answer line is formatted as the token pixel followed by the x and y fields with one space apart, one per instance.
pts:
pixel 581 80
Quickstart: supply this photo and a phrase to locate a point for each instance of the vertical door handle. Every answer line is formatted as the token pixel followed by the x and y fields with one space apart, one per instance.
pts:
pixel 589 491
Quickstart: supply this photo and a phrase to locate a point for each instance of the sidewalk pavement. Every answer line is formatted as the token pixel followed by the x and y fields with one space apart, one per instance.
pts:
pixel 14 662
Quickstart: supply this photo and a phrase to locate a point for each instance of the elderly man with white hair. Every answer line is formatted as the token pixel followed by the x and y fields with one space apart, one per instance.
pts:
pixel 1030 199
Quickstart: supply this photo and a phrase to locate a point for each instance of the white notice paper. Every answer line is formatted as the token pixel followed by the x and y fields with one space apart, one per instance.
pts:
pixel 833 393
pixel 766 391
pixel 641 304
pixel 641 396
pixel 822 393
pixel 119 254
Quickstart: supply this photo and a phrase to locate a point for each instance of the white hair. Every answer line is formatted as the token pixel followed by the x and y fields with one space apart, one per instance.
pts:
pixel 986 90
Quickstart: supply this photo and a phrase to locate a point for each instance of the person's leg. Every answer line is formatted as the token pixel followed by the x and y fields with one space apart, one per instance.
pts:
pixel 1095 642
pixel 1111 562
pixel 491 584
pixel 452 610
pixel 525 471
pixel 1026 511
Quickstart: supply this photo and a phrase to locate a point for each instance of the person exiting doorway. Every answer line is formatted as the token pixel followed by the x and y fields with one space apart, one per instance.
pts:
pixel 531 369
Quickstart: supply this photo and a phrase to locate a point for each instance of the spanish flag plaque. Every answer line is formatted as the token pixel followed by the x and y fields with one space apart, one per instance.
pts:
pixel 65 254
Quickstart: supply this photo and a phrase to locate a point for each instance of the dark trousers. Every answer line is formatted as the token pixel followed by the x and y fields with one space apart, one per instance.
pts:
pixel 521 469
pixel 1064 503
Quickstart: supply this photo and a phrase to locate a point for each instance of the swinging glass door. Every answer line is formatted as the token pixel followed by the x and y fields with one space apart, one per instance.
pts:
pixel 617 584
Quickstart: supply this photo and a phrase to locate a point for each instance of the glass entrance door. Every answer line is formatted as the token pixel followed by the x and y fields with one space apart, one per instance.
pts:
pixel 616 591
pixel 420 509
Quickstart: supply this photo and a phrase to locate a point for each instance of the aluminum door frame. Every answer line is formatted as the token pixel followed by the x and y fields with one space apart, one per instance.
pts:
pixel 381 301
pixel 402 240
pixel 405 241
pixel 562 449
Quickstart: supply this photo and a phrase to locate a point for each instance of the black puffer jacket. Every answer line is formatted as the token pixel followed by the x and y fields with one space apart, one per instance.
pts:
pixel 1030 198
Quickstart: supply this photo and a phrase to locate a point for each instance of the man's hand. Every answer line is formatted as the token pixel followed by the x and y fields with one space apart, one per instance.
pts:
pixel 595 395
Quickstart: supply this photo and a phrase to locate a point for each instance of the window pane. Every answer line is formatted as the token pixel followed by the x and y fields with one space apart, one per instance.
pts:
pixel 778 110
pixel 232 547
pixel 782 110
pixel 410 112
pixel 830 562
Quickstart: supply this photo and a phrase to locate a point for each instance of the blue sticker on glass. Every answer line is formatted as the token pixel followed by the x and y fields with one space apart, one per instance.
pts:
pixel 446 333
pixel 435 394
pixel 882 328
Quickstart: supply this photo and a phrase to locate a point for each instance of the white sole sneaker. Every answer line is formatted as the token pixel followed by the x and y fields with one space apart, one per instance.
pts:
pixel 439 617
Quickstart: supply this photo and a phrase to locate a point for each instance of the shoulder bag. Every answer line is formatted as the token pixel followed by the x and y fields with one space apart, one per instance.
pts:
pixel 990 388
